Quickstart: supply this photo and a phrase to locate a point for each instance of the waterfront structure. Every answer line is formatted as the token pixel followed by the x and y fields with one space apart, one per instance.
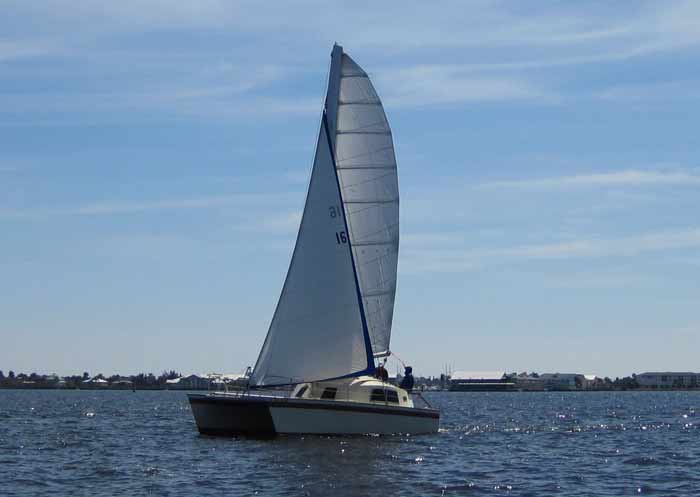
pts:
pixel 528 383
pixel 668 379
pixel 563 381
pixel 189 382
pixel 95 383
pixel 480 381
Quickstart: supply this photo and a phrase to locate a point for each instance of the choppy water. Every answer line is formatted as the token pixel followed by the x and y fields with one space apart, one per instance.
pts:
pixel 516 444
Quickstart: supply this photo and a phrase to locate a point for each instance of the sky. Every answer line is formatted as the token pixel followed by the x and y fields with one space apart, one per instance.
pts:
pixel 154 157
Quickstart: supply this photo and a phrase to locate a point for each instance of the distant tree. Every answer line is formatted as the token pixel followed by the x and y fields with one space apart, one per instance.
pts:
pixel 2 375
pixel 33 376
pixel 100 376
pixel 626 383
pixel 86 375
pixel 167 375
pixel 11 375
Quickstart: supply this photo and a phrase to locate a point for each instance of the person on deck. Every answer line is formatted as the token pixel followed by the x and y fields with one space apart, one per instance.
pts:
pixel 381 372
pixel 408 381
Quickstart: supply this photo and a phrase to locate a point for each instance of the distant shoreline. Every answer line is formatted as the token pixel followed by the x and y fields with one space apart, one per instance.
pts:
pixel 514 391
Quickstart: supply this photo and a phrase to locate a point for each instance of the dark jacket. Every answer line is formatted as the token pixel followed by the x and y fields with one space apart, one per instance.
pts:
pixel 407 382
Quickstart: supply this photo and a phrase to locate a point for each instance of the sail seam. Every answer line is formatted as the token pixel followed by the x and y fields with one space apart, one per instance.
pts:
pixel 365 167
pixel 365 154
pixel 354 132
pixel 379 293
pixel 379 201
pixel 369 244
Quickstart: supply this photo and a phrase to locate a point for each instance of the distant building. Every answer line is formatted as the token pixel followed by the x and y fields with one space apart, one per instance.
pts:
pixel 480 381
pixel 528 383
pixel 189 382
pixel 564 381
pixel 95 383
pixel 235 380
pixel 668 380
pixel 206 381
pixel 122 383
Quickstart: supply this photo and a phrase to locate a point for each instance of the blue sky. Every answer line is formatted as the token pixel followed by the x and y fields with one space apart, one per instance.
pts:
pixel 154 159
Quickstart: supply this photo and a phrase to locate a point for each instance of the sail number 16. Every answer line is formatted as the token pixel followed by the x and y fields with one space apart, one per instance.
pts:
pixel 341 237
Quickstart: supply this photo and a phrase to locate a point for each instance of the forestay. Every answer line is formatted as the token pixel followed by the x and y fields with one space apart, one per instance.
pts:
pixel 364 154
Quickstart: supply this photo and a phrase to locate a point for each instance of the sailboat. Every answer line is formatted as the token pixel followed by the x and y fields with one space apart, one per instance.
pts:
pixel 333 319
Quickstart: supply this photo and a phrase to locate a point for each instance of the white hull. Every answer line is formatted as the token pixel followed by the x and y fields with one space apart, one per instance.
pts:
pixel 326 422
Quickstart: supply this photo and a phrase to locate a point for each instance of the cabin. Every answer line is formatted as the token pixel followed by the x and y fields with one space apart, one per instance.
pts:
pixel 365 389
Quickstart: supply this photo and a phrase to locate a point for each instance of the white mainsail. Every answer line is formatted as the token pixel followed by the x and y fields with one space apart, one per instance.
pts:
pixel 364 154
pixel 336 306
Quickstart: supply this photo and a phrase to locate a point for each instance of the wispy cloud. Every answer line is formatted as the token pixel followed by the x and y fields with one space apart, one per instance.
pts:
pixel 454 259
pixel 133 207
pixel 284 224
pixel 652 93
pixel 430 85
pixel 629 177
pixel 21 48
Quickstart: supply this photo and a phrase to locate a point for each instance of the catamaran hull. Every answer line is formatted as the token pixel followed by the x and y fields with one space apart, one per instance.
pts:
pixel 265 416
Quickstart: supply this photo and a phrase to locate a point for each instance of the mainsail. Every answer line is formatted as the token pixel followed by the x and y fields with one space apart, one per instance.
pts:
pixel 336 306
pixel 364 154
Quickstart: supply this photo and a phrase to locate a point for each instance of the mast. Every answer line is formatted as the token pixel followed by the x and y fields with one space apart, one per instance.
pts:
pixel 333 96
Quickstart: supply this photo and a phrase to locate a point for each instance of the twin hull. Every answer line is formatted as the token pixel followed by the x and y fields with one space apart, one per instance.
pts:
pixel 266 416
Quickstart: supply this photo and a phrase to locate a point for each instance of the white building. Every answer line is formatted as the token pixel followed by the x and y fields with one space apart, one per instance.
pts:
pixel 668 379
pixel 95 383
pixel 189 382
pixel 206 381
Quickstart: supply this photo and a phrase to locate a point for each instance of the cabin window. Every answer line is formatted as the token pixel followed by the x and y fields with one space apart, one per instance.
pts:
pixel 329 393
pixel 302 391
pixel 380 395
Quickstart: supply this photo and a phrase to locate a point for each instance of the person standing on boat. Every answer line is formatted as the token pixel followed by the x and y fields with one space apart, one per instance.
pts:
pixel 407 382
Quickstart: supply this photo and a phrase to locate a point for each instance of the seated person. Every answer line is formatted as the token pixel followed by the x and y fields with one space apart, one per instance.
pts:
pixel 381 373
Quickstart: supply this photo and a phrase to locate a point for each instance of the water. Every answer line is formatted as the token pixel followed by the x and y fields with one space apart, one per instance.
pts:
pixel 77 443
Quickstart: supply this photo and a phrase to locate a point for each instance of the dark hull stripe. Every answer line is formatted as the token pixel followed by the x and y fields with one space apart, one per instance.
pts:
pixel 312 404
